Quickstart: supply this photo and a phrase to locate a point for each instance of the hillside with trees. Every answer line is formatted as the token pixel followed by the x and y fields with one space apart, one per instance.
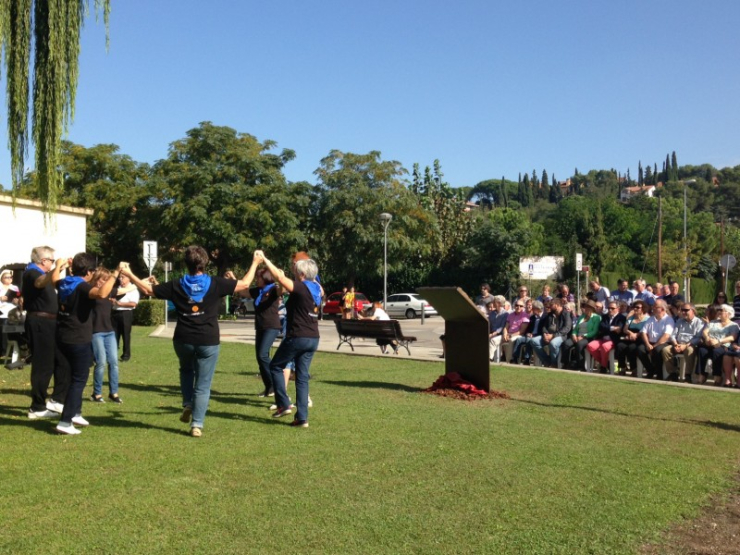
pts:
pixel 227 191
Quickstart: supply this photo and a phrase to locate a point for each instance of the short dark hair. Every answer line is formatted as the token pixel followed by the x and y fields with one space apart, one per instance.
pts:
pixel 83 263
pixel 485 286
pixel 196 259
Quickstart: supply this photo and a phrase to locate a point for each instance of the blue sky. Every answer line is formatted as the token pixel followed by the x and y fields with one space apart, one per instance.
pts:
pixel 490 89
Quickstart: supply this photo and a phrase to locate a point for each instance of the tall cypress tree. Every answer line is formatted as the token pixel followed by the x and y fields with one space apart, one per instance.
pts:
pixel 674 166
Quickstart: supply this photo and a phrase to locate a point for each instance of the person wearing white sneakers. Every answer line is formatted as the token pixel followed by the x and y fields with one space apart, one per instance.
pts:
pixel 40 303
pixel 302 337
pixel 197 299
pixel 76 297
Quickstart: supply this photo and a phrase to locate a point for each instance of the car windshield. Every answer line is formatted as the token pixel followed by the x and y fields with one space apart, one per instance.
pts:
pixel 360 297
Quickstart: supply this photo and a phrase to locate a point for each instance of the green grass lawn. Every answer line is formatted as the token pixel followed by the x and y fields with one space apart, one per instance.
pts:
pixel 571 464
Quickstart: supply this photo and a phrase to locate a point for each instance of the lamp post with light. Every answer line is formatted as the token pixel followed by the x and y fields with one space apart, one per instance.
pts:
pixel 386 218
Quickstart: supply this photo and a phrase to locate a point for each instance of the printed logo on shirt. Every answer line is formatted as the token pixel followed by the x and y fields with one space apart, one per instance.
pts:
pixel 195 308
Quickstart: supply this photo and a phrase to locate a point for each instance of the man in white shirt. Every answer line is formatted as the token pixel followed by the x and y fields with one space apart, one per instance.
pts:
pixel 654 337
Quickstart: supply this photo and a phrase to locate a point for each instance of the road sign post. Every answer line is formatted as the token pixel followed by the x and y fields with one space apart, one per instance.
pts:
pixel 150 255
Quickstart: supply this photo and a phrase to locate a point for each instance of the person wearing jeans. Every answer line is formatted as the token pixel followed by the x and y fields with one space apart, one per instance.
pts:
pixel 267 325
pixel 555 329
pixel 197 297
pixel 77 295
pixel 197 366
pixel 302 336
pixel 105 348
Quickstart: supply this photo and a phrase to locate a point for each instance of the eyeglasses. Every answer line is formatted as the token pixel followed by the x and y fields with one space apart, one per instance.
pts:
pixel 685 310
pixel 612 308
pixel 638 307
pixel 518 306
pixel 522 290
pixel 721 310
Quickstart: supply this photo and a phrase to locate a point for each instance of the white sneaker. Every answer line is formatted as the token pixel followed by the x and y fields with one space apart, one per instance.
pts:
pixel 64 428
pixel 310 403
pixel 79 420
pixel 53 405
pixel 39 414
pixel 273 407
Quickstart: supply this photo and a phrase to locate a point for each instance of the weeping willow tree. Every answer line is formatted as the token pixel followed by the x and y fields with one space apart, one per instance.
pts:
pixel 51 29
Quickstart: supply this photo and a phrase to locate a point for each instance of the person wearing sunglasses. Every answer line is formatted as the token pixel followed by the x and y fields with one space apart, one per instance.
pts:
pixel 684 341
pixel 655 337
pixel 516 326
pixel 607 336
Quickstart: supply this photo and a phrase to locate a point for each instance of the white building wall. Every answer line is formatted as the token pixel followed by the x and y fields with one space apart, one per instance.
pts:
pixel 25 227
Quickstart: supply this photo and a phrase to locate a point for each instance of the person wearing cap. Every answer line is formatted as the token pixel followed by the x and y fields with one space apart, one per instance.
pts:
pixel 654 337
pixel 585 329
pixel 684 341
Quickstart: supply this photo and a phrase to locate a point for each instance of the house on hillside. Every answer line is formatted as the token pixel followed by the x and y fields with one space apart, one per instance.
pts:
pixel 628 192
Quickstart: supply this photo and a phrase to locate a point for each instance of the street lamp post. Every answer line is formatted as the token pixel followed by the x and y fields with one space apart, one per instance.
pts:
pixel 386 218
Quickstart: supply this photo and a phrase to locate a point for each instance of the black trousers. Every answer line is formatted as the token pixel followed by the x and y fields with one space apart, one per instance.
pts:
pixel 122 321
pixel 77 359
pixel 41 334
pixel 653 360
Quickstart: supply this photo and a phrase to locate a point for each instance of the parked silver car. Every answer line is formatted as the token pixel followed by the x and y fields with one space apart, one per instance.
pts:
pixel 408 305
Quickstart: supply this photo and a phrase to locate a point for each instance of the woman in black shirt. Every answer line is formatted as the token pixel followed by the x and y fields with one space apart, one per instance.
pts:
pixel 301 338
pixel 196 297
pixel 76 297
pixel 266 319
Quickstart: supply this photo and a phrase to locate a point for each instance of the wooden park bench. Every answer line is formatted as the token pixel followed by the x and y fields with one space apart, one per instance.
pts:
pixel 385 330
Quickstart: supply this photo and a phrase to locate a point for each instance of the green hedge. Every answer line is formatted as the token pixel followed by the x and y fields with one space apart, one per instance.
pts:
pixel 149 312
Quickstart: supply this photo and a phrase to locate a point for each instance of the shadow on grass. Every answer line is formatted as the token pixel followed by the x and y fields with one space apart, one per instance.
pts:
pixel 706 423
pixel 9 416
pixel 374 385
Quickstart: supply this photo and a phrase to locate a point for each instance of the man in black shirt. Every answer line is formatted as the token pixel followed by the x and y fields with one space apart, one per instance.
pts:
pixel 40 302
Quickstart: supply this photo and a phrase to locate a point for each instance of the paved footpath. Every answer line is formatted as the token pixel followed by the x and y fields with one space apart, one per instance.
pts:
pixel 427 346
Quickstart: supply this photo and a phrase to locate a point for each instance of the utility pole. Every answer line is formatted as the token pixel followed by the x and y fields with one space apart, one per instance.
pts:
pixel 660 239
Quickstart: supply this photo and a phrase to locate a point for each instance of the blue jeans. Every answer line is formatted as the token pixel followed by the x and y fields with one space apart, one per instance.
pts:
pixel 284 325
pixel 519 342
pixel 301 350
pixel 263 340
pixel 105 350
pixel 539 348
pixel 197 366
pixel 75 358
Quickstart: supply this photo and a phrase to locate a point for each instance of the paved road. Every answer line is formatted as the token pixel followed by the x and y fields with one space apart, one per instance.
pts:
pixel 426 347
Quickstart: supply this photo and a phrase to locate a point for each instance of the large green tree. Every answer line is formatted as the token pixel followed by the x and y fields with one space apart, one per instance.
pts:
pixel 354 189
pixel 226 191
pixel 51 30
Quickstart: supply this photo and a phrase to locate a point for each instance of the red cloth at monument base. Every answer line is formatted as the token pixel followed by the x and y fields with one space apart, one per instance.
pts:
pixel 453 380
